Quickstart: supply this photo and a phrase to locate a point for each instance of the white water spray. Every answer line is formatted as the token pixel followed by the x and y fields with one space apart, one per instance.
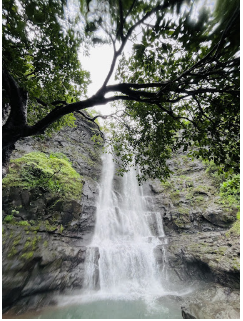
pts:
pixel 120 260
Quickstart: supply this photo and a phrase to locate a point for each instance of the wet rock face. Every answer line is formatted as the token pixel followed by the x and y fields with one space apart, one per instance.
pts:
pixel 189 200
pixel 36 262
pixel 44 245
pixel 205 256
pixel 34 205
pixel 212 302
pixel 196 224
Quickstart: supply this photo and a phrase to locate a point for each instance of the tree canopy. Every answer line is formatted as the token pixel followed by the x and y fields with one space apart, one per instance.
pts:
pixel 179 89
pixel 40 50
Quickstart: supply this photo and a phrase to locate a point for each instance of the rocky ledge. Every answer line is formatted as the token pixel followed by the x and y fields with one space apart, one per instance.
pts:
pixel 212 302
pixel 211 256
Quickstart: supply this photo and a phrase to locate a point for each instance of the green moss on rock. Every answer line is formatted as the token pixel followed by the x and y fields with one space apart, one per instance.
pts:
pixel 27 255
pixel 51 173
pixel 183 210
pixel 23 223
pixel 12 252
pixel 235 229
pixel 8 218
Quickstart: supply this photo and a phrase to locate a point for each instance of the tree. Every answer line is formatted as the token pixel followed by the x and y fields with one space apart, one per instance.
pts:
pixel 180 87
pixel 40 60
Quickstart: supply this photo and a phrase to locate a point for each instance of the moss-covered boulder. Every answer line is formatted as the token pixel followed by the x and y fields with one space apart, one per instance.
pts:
pixel 50 173
pixel 43 190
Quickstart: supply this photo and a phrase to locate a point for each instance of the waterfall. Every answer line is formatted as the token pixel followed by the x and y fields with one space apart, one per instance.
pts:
pixel 120 260
pixel 124 273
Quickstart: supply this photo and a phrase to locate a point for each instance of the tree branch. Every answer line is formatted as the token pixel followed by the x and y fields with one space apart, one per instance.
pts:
pixel 120 30
pixel 93 120
pixel 197 64
pixel 41 102
pixel 224 34
pixel 148 25
pixel 124 41
pixel 200 107
pixel 130 9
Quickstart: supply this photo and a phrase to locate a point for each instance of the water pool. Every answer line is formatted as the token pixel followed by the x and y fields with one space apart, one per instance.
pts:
pixel 110 309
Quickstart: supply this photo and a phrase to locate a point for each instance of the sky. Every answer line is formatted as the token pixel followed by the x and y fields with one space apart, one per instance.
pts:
pixel 98 64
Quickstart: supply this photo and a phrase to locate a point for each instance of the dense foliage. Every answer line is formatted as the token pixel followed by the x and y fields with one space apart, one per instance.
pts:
pixel 230 190
pixel 179 87
pixel 230 195
pixel 197 108
pixel 40 50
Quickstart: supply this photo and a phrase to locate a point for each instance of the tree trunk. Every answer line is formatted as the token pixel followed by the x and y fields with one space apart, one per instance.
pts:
pixel 6 155
pixel 14 112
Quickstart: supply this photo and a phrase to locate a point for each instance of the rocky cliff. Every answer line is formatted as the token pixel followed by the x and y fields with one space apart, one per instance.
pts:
pixel 44 235
pixel 202 246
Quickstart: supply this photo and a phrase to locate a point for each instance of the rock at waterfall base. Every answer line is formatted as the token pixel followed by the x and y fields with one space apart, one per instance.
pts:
pixel 213 302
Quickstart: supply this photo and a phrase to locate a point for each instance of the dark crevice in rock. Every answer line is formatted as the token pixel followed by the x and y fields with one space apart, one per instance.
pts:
pixel 61 235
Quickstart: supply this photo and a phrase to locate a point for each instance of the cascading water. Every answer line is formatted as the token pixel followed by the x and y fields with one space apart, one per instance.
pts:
pixel 123 240
pixel 122 278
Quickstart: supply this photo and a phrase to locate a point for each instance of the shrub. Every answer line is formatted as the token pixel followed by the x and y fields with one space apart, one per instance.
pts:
pixel 235 229
pixel 8 218
pixel 23 223
pixel 230 191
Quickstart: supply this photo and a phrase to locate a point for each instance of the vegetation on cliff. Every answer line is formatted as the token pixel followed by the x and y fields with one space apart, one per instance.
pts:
pixel 200 194
pixel 230 194
pixel 50 173
pixel 228 187
pixel 47 187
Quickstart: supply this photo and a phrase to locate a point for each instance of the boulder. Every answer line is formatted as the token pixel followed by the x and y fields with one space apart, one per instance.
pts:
pixel 207 256
pixel 212 302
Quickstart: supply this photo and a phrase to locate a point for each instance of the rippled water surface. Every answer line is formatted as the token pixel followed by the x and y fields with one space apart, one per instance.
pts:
pixel 112 309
